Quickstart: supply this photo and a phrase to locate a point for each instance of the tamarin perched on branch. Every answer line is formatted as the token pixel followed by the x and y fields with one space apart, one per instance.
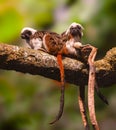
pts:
pixel 74 48
pixel 51 43
pixel 66 44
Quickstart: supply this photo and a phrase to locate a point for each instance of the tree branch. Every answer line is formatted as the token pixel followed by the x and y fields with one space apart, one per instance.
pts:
pixel 40 63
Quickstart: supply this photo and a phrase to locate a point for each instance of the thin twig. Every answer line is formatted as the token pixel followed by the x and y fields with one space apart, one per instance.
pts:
pixel 91 88
pixel 82 106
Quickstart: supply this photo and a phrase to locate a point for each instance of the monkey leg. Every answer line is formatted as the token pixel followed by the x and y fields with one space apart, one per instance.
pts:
pixel 59 59
pixel 82 106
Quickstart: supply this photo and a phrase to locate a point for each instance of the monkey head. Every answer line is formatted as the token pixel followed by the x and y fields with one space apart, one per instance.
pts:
pixel 26 33
pixel 75 29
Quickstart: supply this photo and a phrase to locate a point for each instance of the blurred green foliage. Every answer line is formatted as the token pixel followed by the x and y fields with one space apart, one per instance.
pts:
pixel 30 102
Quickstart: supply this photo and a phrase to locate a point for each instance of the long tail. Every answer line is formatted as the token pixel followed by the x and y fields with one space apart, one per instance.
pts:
pixel 61 67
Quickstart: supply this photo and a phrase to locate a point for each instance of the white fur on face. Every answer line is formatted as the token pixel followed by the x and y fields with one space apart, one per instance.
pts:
pixel 29 29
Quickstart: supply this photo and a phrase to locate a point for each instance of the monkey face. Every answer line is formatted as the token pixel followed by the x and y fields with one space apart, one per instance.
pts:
pixel 76 30
pixel 26 33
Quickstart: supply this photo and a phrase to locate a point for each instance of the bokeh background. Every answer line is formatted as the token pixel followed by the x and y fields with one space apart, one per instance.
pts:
pixel 30 102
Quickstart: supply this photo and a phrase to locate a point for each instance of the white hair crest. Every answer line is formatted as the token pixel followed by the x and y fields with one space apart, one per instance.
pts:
pixel 29 29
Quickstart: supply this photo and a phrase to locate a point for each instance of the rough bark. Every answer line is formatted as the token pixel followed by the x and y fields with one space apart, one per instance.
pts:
pixel 40 63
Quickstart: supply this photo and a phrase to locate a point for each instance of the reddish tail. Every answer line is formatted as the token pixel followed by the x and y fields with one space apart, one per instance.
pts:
pixel 59 60
pixel 61 67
